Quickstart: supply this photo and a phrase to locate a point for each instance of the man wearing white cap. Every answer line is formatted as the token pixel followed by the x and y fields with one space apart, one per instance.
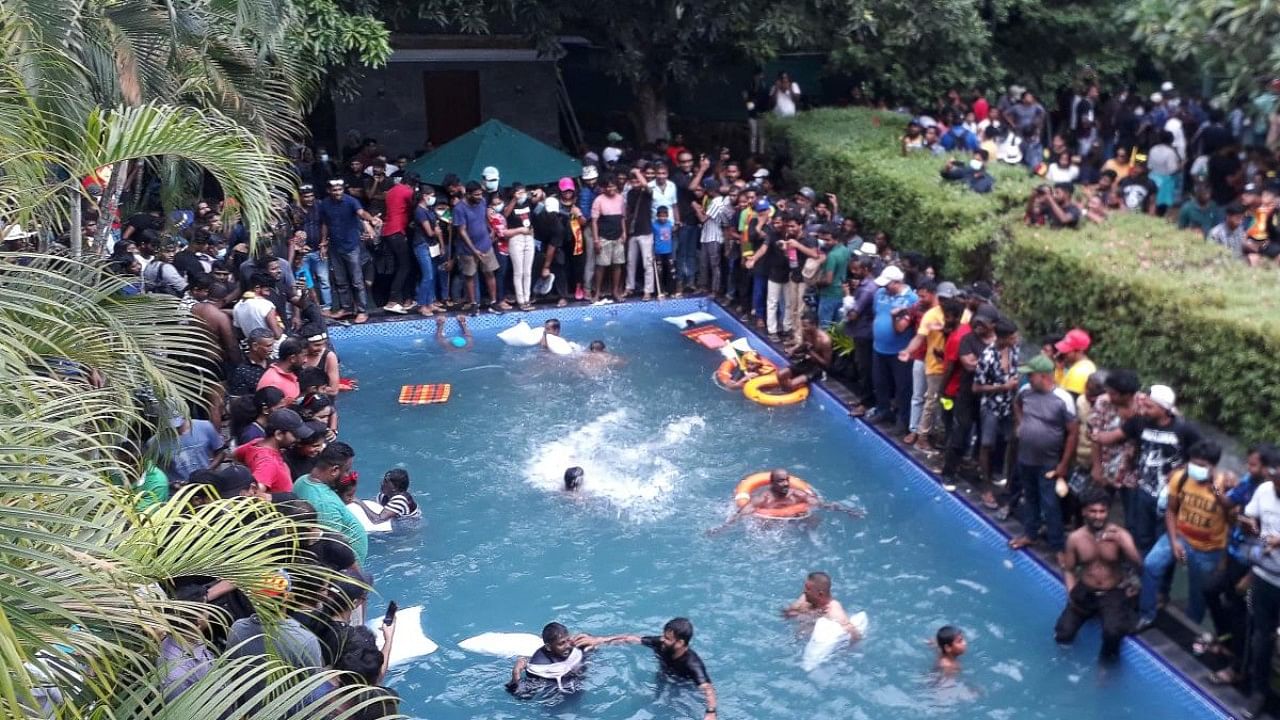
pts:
pixel 491 179
pixel 587 192
pixel 891 333
pixel 1163 438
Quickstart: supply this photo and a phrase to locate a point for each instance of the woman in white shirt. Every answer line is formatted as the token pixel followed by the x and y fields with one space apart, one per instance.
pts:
pixel 1062 170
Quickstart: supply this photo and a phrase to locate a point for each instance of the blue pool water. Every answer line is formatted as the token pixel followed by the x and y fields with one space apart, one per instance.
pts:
pixel 502 550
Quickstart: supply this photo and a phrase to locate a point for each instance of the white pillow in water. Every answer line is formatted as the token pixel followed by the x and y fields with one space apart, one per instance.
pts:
pixel 503 644
pixel 682 321
pixel 365 522
pixel 521 335
pixel 828 636
pixel 560 346
pixel 410 642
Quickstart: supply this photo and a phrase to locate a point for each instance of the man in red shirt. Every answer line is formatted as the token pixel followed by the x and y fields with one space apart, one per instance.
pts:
pixel 264 456
pixel 283 373
pixel 395 223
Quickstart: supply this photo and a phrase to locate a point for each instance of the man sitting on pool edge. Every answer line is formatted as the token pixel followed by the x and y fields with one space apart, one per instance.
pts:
pixel 781 494
pixel 675 656
pixel 810 360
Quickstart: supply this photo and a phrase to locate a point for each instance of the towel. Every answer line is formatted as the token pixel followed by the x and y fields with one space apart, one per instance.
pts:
pixel 425 394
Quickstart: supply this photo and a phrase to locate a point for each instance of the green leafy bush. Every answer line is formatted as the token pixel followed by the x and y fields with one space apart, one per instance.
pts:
pixel 1159 300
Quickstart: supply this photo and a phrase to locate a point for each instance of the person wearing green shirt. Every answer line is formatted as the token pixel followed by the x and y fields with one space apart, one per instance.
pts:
pixel 319 488
pixel 830 282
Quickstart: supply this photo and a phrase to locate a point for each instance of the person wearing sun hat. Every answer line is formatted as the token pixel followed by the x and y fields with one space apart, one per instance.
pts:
pixel 1075 367
pixel 1047 430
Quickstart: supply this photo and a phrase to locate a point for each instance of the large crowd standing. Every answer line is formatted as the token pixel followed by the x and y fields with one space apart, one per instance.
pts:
pixel 1040 431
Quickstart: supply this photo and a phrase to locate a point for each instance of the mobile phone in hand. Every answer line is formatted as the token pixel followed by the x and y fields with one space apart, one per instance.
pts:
pixel 390 617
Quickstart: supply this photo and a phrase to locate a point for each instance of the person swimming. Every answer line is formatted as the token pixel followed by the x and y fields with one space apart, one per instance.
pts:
pixel 817 602
pixel 676 659
pixel 781 494
pixel 556 666
pixel 573 478
pixel 457 342
pixel 597 346
pixel 550 327
pixel 951 645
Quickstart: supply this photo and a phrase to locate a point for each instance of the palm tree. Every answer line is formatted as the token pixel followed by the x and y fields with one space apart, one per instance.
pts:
pixel 80 616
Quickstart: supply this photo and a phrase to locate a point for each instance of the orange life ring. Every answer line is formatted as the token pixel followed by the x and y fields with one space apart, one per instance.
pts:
pixel 724 374
pixel 743 493
pixel 756 387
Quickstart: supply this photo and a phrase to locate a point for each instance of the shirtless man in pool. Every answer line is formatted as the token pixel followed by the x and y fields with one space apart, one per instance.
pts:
pixel 781 494
pixel 810 360
pixel 1093 571
pixel 816 602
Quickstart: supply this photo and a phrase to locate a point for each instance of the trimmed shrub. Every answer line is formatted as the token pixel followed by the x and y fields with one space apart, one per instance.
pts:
pixel 1162 301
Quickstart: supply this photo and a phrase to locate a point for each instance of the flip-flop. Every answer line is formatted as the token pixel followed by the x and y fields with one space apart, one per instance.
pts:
pixel 1021 542
pixel 361 319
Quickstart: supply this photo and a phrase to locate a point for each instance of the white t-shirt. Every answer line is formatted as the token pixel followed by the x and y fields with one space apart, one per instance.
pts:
pixel 1265 507
pixel 611 154
pixel 1058 174
pixel 664 196
pixel 251 314
pixel 784 102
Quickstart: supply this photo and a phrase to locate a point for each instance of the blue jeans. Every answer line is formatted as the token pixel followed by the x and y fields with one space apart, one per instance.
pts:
pixel 349 292
pixel 759 291
pixel 1141 518
pixel 1040 502
pixel 829 310
pixel 688 238
pixel 891 379
pixel 1033 154
pixel 426 292
pixel 1201 566
pixel 319 269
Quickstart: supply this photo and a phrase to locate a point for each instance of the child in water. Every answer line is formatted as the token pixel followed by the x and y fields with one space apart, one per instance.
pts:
pixel 951 645
pixel 394 497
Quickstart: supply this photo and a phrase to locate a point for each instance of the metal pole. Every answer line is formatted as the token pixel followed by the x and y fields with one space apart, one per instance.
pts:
pixel 77 226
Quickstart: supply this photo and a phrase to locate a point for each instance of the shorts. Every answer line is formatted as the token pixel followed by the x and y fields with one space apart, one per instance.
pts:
pixel 993 427
pixel 810 369
pixel 611 252
pixel 467 263
pixel 1270 249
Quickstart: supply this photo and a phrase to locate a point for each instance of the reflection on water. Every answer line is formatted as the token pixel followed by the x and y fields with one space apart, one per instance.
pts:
pixel 503 549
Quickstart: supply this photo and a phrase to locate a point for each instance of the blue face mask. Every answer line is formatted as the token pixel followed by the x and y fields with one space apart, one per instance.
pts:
pixel 1199 473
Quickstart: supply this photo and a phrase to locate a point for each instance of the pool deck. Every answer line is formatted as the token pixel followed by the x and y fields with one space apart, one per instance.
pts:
pixel 1170 639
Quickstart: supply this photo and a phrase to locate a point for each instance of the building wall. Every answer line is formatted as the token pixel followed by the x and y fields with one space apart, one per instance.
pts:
pixel 392 108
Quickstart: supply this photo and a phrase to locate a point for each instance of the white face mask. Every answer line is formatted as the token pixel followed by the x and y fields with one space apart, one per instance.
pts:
pixel 499 207
pixel 975 164
pixel 324 157
pixel 521 197
pixel 1199 473
pixel 491 185
pixel 431 200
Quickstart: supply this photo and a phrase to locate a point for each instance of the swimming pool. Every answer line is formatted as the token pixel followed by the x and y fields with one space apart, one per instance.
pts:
pixel 502 550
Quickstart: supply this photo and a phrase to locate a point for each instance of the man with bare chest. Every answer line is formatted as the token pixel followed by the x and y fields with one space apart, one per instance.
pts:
pixel 1093 570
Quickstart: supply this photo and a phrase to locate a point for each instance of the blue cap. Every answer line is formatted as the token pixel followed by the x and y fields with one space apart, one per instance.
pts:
pixel 762 205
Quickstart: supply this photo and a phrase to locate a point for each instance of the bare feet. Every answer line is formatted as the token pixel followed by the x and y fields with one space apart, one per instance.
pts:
pixel 1020 542
pixel 361 318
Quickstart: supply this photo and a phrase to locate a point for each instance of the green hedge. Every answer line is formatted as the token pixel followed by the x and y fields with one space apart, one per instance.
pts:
pixel 1164 302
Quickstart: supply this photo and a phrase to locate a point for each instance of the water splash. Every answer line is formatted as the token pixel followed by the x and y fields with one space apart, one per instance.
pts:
pixel 623 461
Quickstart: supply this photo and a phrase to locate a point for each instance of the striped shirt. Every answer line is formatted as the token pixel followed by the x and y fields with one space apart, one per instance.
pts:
pixel 402 504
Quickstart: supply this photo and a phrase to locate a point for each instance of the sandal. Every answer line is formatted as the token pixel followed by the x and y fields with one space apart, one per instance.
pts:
pixel 1020 542
pixel 361 318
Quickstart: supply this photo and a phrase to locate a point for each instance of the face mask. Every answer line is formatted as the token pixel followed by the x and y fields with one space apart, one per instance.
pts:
pixel 499 207
pixel 324 157
pixel 1199 473
pixel 491 185
pixel 431 200
pixel 521 197
pixel 975 164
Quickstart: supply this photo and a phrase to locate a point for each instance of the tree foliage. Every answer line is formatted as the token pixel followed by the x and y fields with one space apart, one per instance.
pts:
pixel 1233 42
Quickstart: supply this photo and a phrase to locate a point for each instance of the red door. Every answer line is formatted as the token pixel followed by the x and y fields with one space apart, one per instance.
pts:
pixel 453 103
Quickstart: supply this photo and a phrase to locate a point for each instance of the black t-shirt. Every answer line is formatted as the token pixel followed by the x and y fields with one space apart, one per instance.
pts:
pixel 331 633
pixel 1138 192
pixel 971 344
pixel 188 265
pixel 686 667
pixel 1160 449
pixel 1221 168
pixel 684 197
pixel 244 379
pixel 1073 217
pixel 142 222
pixel 640 211
pixel 299 465
pixel 778 267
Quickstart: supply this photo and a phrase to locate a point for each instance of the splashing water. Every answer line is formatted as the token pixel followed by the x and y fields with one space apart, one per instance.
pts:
pixel 633 475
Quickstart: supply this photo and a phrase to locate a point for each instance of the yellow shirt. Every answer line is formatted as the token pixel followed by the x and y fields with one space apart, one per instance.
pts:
pixel 1202 522
pixel 931 324
pixel 1076 377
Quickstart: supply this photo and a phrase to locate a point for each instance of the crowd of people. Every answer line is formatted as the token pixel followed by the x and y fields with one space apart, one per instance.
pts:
pixel 1199 166
pixel 1042 434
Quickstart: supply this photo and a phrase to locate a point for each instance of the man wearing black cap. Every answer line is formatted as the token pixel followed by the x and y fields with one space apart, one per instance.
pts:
pixel 264 456
pixel 307 222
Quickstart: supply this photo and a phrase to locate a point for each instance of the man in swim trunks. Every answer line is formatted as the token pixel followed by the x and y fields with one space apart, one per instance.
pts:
pixel 781 494
pixel 816 602
pixel 558 663
pixel 676 658
pixel 752 366
pixel 1093 571
pixel 810 360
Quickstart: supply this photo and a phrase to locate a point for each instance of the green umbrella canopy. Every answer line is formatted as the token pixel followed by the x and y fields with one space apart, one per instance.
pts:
pixel 518 157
